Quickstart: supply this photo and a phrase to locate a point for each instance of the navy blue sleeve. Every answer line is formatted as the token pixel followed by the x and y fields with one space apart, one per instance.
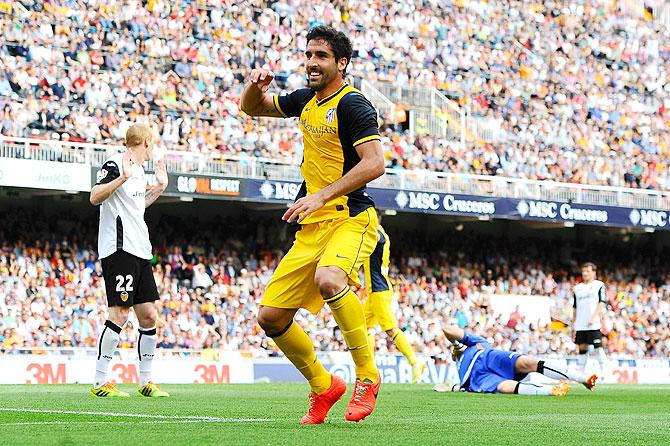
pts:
pixel 108 173
pixel 357 117
pixel 291 105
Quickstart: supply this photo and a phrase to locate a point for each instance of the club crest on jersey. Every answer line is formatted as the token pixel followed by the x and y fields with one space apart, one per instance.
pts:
pixel 330 115
pixel 124 296
pixel 102 174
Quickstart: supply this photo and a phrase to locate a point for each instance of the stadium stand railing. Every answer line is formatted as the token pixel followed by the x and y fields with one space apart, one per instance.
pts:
pixel 420 180
pixel 431 113
pixel 384 105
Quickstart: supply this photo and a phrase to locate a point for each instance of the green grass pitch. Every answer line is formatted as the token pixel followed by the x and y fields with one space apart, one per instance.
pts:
pixel 264 414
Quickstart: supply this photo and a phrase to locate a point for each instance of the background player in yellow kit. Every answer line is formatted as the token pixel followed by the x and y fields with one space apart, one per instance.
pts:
pixel 378 302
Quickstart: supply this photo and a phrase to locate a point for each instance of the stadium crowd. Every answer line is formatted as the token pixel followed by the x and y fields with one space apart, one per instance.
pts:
pixel 576 91
pixel 52 295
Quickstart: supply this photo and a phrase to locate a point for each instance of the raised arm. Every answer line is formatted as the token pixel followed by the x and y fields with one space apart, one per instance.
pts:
pixel 161 184
pixel 254 100
pixel 111 178
pixel 453 333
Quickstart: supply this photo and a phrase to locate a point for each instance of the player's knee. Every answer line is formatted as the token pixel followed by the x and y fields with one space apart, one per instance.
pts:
pixel 330 281
pixel 147 320
pixel 270 321
pixel 507 386
pixel 525 364
pixel 118 315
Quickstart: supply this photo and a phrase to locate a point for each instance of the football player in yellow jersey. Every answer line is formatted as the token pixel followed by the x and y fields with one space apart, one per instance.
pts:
pixel 342 153
pixel 378 302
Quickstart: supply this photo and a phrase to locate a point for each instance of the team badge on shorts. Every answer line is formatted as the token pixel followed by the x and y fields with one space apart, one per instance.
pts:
pixel 330 115
pixel 124 295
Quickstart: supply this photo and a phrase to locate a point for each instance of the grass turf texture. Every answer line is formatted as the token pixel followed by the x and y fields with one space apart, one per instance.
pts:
pixel 405 414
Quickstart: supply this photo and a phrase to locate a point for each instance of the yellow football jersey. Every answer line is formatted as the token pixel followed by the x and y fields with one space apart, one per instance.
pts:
pixel 331 129
pixel 377 266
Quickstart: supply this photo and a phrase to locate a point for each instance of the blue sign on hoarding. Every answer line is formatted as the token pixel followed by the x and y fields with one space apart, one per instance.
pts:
pixel 479 206
pixel 430 202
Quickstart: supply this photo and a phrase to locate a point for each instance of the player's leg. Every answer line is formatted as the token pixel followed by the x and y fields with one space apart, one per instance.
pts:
pixel 381 303
pixel 291 287
pixel 370 321
pixel 382 307
pixel 292 340
pixel 582 346
pixel 402 344
pixel 552 369
pixel 146 349
pixel 528 388
pixel 348 313
pixel 295 344
pixel 107 344
pixel 596 350
pixel 145 310
pixel 116 269
pixel 351 243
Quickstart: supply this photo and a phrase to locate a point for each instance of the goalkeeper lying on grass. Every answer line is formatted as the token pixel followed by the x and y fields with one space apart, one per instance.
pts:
pixel 484 369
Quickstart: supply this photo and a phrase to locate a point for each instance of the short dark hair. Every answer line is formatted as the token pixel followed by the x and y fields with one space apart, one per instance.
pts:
pixel 590 265
pixel 338 41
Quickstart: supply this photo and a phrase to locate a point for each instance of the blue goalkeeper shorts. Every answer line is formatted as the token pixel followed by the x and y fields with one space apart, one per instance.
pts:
pixel 491 368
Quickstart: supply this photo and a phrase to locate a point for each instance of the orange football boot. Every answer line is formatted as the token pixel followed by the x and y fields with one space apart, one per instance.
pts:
pixel 363 400
pixel 319 405
pixel 590 382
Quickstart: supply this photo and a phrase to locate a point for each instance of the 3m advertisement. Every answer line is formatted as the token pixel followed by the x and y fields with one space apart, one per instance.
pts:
pixel 46 369
pixel 45 175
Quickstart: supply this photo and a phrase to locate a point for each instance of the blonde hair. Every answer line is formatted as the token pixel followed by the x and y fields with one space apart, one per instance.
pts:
pixel 137 134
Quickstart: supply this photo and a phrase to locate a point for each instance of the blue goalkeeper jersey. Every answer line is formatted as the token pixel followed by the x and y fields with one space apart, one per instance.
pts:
pixel 476 346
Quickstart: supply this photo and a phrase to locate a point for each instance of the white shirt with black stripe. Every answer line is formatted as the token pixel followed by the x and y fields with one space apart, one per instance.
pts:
pixel 122 225
pixel 586 297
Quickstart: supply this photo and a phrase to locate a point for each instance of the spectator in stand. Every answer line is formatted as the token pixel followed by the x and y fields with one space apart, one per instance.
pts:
pixel 52 291
pixel 566 91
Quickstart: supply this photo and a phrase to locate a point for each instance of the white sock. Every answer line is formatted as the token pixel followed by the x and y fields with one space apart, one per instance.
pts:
pixel 146 347
pixel 582 361
pixel 527 388
pixel 602 358
pixel 107 343
pixel 554 370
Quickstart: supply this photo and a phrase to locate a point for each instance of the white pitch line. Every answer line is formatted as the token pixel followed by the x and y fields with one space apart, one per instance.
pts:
pixel 37 423
pixel 139 415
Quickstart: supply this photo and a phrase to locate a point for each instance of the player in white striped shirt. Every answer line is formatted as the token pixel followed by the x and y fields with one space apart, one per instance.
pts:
pixel 589 303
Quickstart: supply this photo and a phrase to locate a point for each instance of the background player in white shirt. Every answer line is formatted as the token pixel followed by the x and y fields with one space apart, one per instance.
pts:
pixel 125 252
pixel 589 303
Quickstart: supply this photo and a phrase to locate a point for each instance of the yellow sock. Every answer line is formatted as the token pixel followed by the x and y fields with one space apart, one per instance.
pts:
pixel 402 344
pixel 348 313
pixel 371 342
pixel 299 349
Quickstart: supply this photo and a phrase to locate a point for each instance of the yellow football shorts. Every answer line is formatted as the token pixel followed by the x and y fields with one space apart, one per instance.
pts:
pixel 378 310
pixel 343 242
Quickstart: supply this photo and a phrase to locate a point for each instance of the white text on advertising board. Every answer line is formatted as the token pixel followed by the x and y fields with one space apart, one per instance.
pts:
pixel 428 201
pixel 655 219
pixel 549 209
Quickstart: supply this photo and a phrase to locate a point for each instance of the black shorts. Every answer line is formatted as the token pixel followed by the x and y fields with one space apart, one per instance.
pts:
pixel 589 337
pixel 129 280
